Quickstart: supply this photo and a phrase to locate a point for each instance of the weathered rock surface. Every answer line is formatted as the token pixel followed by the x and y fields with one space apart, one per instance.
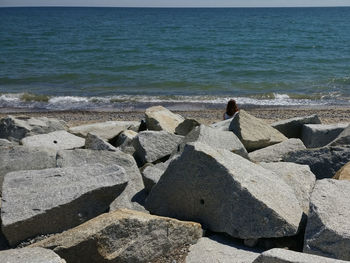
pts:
pixel 57 140
pixel 254 133
pixel 152 173
pixel 133 196
pixel 4 142
pixel 123 236
pixel 278 255
pixel 105 130
pixel 16 128
pixel 52 200
pixel 30 255
pixel 159 118
pixel 324 162
pixel 226 193
pixel 186 126
pixel 292 128
pixel 343 173
pixel 124 141
pixel 222 125
pixel 276 152
pixel 343 138
pixel 328 226
pixel 94 142
pixel 219 249
pixel 319 135
pixel 298 177
pixel 216 139
pixel 151 146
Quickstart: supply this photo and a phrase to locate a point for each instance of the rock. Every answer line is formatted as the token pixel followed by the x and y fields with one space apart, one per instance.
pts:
pixel 151 146
pixel 52 200
pixel 159 118
pixel 4 142
pixel 343 138
pixel 324 162
pixel 94 142
pixel 133 196
pixel 219 249
pixel 123 236
pixel 124 141
pixel 58 140
pixel 254 133
pixel 279 255
pixel 319 135
pixel 216 139
pixel 292 128
pixel 328 226
pixel 16 128
pixel 105 130
pixel 226 193
pixel 21 158
pixel 186 126
pixel 298 177
pixel 30 255
pixel 222 125
pixel 276 152
pixel 152 173
pixel 343 173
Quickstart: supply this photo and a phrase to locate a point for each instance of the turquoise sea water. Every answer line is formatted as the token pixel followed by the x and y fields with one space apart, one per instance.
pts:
pixel 98 57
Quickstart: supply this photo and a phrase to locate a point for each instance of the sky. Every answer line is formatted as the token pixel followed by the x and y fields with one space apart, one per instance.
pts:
pixel 176 3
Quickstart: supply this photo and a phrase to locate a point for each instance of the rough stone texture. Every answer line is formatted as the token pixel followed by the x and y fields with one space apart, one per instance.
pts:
pixel 133 196
pixel 159 118
pixel 186 126
pixel 21 158
pixel 254 133
pixel 343 138
pixel 292 128
pixel 16 128
pixel 216 139
pixel 152 173
pixel 328 226
pixel 324 162
pixel 219 249
pixel 123 236
pixel 298 177
pixel 124 141
pixel 318 135
pixel 106 130
pixel 94 142
pixel 58 140
pixel 278 255
pixel 30 255
pixel 222 125
pixel 4 142
pixel 151 146
pixel 52 200
pixel 275 153
pixel 343 173
pixel 226 193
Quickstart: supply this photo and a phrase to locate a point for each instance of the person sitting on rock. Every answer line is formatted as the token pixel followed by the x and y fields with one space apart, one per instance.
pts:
pixel 231 110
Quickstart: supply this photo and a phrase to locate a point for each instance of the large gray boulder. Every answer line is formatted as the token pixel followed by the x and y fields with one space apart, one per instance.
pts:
pixel 219 249
pixel 124 141
pixel 226 193
pixel 16 128
pixel 298 177
pixel 324 162
pixel 328 226
pixel 123 236
pixel 30 255
pixel 216 139
pixel 105 130
pixel 292 128
pixel 94 142
pixel 152 173
pixel 57 140
pixel 159 118
pixel 5 142
pixel 186 126
pixel 319 135
pixel 279 255
pixel 133 195
pixel 151 146
pixel 52 200
pixel 222 125
pixel 254 133
pixel 342 139
pixel 276 152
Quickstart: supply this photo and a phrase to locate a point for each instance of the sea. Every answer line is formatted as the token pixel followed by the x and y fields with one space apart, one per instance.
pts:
pixel 72 58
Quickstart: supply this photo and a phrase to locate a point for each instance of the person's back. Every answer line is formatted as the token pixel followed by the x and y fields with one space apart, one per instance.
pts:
pixel 231 110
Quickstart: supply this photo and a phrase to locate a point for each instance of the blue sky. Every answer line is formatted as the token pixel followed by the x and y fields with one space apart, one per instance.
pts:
pixel 176 3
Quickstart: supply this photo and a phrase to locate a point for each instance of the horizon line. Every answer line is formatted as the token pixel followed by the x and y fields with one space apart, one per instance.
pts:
pixel 160 7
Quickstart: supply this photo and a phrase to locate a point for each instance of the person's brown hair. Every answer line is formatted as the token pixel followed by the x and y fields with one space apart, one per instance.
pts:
pixel 231 107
